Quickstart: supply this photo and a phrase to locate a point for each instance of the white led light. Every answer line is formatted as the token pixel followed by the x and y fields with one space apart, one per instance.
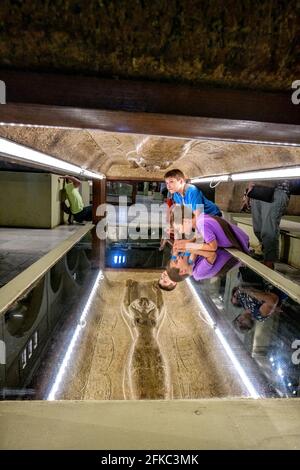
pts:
pixel 11 149
pixel 276 173
pixel 92 175
pixel 290 172
pixel 81 324
pixel 209 179
pixel 252 392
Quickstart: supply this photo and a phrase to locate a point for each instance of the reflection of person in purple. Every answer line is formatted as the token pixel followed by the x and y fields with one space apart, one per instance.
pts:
pixel 213 263
pixel 216 233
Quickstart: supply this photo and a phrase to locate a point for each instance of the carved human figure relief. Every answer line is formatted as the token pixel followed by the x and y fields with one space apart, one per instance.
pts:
pixel 146 370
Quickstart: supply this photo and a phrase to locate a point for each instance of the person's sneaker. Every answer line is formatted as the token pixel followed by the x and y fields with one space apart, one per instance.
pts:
pixel 70 219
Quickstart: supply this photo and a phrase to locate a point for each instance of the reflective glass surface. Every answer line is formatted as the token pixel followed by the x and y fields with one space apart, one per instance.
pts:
pixel 258 319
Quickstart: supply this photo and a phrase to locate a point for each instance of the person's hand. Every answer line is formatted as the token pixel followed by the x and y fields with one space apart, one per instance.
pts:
pixel 246 199
pixel 245 203
pixel 162 244
pixel 191 246
pixel 180 245
pixel 250 187
pixel 169 231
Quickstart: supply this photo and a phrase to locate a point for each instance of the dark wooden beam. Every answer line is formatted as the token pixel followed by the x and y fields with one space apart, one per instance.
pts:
pixel 151 97
pixel 99 197
pixel 98 246
pixel 134 192
pixel 151 124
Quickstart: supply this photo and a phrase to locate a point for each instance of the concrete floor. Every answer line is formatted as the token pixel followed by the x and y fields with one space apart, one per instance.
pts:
pixel 177 424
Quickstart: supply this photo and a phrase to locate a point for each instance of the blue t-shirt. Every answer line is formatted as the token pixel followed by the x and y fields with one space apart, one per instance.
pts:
pixel 194 196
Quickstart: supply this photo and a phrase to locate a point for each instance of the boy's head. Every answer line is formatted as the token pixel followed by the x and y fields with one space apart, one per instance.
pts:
pixel 175 180
pixel 165 283
pixel 244 322
pixel 178 270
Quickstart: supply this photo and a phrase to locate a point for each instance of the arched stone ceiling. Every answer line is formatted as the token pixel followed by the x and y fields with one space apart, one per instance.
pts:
pixel 120 155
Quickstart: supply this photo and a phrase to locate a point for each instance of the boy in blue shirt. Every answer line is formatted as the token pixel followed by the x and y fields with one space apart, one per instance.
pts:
pixel 187 194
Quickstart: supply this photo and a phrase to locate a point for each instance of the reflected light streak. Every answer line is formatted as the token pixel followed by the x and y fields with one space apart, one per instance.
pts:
pixel 81 324
pixel 245 379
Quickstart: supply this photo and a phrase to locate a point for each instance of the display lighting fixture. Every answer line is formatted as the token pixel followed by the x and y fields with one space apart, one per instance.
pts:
pixel 12 150
pixel 276 173
pixel 211 179
pixel 269 174
pixel 81 325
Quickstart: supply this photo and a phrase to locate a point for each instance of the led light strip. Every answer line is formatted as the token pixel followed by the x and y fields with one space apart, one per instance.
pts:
pixel 276 173
pixel 20 152
pixel 81 324
pixel 245 379
pixel 209 179
pixel 290 172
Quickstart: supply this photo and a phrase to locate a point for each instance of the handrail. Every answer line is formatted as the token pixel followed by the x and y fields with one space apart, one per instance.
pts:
pixel 19 285
pixel 277 279
pixel 287 226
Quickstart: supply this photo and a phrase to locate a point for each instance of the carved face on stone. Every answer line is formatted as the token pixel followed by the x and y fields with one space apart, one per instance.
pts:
pixel 156 153
pixel 144 311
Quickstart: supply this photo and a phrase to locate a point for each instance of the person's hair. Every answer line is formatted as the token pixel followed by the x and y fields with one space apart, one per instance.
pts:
pixel 174 174
pixel 237 303
pixel 174 275
pixel 167 288
pixel 242 328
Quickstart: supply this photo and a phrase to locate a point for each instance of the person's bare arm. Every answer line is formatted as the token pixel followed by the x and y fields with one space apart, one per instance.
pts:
pixel 74 180
pixel 269 298
pixel 267 309
pixel 186 245
pixel 210 256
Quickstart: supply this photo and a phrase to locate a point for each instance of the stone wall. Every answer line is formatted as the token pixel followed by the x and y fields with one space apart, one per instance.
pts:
pixel 247 44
